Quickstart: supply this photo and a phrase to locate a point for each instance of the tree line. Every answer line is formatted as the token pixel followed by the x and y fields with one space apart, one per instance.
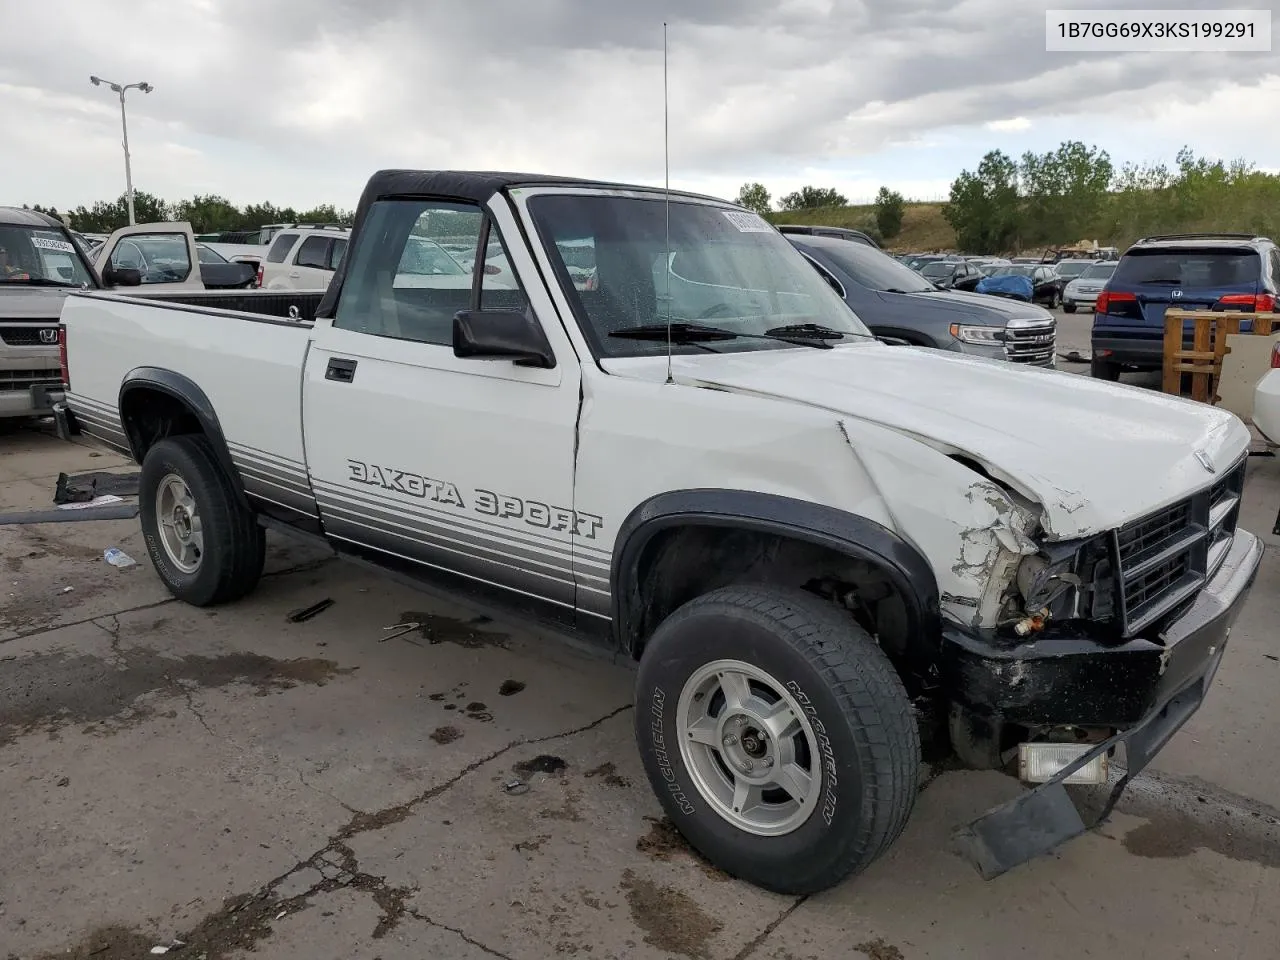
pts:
pixel 206 213
pixel 1070 194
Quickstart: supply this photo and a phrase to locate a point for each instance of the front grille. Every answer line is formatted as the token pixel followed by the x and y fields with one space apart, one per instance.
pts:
pixel 1162 560
pixel 25 336
pixel 1031 341
pixel 12 380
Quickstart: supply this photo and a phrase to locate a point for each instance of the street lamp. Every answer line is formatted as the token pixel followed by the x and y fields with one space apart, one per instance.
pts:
pixel 124 126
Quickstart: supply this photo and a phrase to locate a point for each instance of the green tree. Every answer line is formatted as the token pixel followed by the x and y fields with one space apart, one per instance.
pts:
pixel 889 204
pixel 983 205
pixel 327 213
pixel 1064 192
pixel 755 197
pixel 813 198
pixel 106 216
pixel 209 214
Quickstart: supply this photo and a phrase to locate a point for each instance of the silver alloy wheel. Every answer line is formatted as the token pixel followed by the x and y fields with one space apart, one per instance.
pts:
pixel 749 747
pixel 181 533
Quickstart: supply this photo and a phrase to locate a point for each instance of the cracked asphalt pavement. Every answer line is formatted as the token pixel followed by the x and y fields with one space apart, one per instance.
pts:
pixel 234 784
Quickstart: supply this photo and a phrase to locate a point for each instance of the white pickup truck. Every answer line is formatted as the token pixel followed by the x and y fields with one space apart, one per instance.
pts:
pixel 818 547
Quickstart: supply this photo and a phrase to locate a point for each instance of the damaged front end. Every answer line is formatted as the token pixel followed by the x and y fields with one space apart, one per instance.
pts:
pixel 1102 641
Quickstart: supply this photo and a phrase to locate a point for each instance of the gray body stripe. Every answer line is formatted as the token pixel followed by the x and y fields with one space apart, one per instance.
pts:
pixel 441 536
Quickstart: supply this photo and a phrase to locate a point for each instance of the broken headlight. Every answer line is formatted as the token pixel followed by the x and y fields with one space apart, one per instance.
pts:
pixel 1064 581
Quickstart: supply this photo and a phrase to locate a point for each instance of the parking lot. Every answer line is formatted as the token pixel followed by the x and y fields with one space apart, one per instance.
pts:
pixel 246 784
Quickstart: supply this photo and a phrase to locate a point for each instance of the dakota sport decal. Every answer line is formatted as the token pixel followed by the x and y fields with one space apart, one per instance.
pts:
pixel 504 506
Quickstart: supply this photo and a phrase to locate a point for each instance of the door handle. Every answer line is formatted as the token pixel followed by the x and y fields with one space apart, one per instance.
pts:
pixel 344 371
pixel 295 275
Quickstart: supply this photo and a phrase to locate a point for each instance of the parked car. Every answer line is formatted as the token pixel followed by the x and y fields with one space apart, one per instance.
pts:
pixel 1068 270
pixel 896 302
pixel 40 261
pixel 1204 271
pixel 1082 292
pixel 166 255
pixel 1043 280
pixel 811 542
pixel 841 233
pixel 946 274
pixel 918 261
pixel 303 258
pixel 1266 402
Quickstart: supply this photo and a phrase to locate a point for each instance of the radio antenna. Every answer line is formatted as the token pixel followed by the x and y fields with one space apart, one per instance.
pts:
pixel 666 201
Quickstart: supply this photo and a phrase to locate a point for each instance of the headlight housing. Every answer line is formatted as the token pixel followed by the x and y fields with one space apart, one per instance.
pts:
pixel 972 333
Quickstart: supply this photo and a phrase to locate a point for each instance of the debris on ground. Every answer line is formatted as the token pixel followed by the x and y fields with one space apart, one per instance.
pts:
pixel 1074 356
pixel 82 487
pixel 543 763
pixel 118 558
pixel 95 502
pixel 510 688
pixel 399 631
pixel 110 511
pixel 306 613
pixel 174 944
pixel 443 735
pixel 515 787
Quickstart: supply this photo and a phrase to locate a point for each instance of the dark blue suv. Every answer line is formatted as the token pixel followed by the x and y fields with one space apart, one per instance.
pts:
pixel 1192 271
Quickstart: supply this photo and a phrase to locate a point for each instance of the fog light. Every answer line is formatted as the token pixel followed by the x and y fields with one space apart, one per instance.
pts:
pixel 1038 762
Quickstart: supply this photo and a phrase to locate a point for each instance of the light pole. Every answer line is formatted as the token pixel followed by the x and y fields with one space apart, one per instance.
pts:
pixel 124 127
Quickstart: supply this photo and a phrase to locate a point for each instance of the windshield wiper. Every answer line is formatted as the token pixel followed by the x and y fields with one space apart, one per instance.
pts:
pixel 814 330
pixel 682 331
pixel 39 282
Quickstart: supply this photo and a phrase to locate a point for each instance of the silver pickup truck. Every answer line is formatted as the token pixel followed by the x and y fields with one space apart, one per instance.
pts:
pixel 39 263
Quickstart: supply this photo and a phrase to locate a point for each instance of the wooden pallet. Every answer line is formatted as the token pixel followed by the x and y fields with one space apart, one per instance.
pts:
pixel 1203 361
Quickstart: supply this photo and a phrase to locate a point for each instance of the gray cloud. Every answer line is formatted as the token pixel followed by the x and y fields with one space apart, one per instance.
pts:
pixel 342 85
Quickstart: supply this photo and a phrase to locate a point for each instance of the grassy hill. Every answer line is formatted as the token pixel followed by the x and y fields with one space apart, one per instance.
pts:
pixel 922 225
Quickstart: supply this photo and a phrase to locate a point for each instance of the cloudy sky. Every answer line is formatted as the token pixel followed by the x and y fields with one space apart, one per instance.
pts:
pixel 297 101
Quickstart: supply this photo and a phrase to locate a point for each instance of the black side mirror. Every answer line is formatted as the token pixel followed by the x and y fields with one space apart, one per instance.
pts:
pixel 501 335
pixel 121 277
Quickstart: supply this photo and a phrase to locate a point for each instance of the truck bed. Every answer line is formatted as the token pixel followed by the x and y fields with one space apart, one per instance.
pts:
pixel 247 362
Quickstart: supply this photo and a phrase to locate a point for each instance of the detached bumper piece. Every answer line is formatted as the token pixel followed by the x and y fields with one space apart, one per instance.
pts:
pixel 1186 662
pixel 65 421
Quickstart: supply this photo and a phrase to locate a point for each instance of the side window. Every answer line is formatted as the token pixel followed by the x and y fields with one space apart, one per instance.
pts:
pixel 415 266
pixel 161 257
pixel 280 247
pixel 314 252
pixel 335 254
pixel 1275 266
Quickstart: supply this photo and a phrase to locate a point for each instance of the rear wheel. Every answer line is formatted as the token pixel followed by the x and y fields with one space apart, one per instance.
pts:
pixel 777 735
pixel 205 544
pixel 1104 370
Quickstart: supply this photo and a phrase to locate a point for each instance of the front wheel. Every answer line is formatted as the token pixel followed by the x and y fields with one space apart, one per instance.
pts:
pixel 1068 306
pixel 205 544
pixel 777 735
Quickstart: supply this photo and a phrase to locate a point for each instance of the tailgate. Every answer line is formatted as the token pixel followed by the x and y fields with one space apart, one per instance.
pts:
pixel 1188 278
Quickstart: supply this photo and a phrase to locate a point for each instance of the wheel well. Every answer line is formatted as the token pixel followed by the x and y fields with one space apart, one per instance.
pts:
pixel 149 415
pixel 684 562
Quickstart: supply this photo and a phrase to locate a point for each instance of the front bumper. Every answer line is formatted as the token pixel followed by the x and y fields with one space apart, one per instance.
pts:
pixel 1163 685
pixel 34 401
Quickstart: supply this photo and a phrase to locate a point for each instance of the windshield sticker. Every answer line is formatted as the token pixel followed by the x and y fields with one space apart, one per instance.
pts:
pixel 747 222
pixel 43 243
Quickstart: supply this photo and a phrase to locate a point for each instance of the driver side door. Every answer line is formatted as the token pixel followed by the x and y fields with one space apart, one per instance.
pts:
pixel 165 253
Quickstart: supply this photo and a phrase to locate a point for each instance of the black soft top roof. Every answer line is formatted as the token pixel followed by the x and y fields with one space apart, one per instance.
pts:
pixel 479 186
pixel 469 185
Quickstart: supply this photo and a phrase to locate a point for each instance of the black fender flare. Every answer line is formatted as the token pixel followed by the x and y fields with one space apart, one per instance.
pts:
pixel 185 390
pixel 803 520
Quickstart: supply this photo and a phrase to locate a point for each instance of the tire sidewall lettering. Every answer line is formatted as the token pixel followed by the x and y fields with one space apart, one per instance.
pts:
pixel 828 758
pixel 658 743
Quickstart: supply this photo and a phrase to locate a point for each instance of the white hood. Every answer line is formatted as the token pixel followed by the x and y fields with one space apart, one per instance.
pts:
pixel 1093 454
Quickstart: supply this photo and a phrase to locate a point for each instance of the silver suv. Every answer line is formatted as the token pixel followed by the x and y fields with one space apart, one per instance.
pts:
pixel 39 263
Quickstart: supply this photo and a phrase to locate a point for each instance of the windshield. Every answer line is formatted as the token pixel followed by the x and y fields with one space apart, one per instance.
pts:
pixel 1099 271
pixel 878 271
pixel 209 255
pixel 726 268
pixel 1014 270
pixel 1073 268
pixel 1190 267
pixel 40 256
